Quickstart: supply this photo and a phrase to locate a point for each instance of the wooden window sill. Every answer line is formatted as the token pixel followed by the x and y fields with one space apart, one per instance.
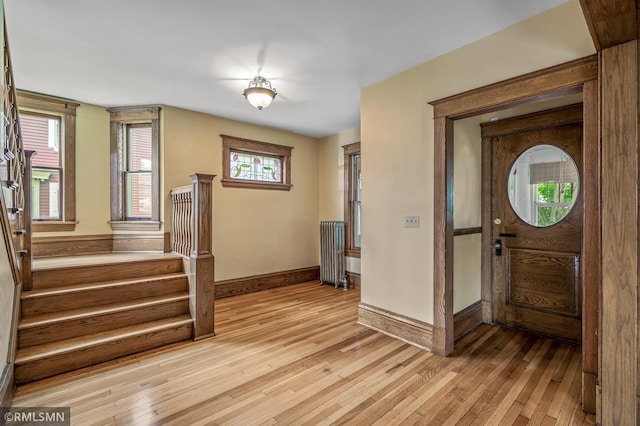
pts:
pixel 53 226
pixel 135 225
pixel 229 183
pixel 352 253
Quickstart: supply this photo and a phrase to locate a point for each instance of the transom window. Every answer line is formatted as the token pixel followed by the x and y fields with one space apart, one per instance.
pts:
pixel 254 164
pixel 250 166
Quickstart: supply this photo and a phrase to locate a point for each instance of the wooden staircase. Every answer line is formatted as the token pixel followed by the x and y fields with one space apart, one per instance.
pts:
pixel 98 308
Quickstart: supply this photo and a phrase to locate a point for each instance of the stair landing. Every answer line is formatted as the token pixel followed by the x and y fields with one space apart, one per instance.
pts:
pixel 84 310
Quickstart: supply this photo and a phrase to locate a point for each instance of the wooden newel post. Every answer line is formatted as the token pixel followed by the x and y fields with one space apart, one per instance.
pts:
pixel 202 261
pixel 27 276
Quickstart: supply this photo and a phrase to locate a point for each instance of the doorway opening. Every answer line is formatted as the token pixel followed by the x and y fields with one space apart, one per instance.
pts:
pixel 576 77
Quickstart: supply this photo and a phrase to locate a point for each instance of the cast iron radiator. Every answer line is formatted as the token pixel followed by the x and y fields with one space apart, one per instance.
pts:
pixel 332 256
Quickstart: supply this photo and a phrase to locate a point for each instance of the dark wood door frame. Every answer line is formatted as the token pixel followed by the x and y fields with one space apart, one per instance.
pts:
pixel 572 77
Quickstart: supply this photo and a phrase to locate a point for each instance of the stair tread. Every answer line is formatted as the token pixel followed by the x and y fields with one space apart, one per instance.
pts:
pixel 96 285
pixel 34 353
pixel 74 314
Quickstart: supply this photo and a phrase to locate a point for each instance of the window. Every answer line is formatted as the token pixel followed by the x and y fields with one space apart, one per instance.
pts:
pixel 254 164
pixel 48 126
pixel 135 181
pixel 352 198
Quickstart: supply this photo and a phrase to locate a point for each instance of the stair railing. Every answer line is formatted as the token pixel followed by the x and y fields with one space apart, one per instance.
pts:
pixel 191 238
pixel 15 174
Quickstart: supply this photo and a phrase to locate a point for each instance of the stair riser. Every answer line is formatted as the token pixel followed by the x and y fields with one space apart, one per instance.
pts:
pixel 102 296
pixel 51 278
pixel 85 326
pixel 61 363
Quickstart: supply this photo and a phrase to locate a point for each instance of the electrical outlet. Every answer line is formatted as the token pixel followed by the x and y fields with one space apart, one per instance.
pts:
pixel 412 221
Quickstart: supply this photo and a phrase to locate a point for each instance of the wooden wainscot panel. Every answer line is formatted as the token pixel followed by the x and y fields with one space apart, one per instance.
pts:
pixel 141 242
pixel 407 329
pixel 99 244
pixel 467 319
pixel 71 245
pixel 236 286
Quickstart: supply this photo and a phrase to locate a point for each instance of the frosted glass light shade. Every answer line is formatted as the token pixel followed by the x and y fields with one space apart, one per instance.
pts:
pixel 260 94
pixel 259 97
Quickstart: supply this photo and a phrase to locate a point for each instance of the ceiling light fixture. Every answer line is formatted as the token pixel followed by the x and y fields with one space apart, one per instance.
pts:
pixel 260 94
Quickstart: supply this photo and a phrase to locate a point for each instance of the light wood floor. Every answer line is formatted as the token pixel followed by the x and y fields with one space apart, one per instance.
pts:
pixel 295 355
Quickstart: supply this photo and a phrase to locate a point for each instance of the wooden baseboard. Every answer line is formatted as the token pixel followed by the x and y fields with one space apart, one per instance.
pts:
pixel 7 380
pixel 7 376
pixel 589 392
pixel 467 319
pixel 353 280
pixel 236 286
pixel 407 329
pixel 71 245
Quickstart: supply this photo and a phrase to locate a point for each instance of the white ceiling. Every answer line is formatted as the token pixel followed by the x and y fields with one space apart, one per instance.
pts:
pixel 201 54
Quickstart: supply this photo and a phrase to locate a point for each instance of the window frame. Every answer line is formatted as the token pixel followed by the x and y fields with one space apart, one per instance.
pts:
pixel 351 150
pixel 121 118
pixel 233 143
pixel 33 103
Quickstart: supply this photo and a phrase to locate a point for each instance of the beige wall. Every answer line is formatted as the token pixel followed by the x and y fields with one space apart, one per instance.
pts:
pixel 331 180
pixel 254 231
pixel 397 145
pixel 93 205
pixel 467 178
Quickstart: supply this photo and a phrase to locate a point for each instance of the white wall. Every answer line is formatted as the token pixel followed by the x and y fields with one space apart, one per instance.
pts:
pixel 397 148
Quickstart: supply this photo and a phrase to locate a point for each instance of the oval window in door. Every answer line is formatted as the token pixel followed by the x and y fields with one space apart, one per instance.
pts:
pixel 543 185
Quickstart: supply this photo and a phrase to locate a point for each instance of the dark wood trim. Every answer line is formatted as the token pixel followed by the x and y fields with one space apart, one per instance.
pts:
pixel 234 143
pixel 591 245
pixel 27 258
pixel 230 183
pixel 467 231
pixel 7 383
pixel 535 121
pixel 619 297
pixel 236 286
pixel 443 238
pixel 7 378
pixel 202 261
pixel 547 83
pixel 610 22
pixel 349 211
pixel 407 329
pixel 66 110
pixel 140 242
pixel 467 319
pixel 353 280
pixel 135 225
pixel 487 240
pixel 120 117
pixel 73 245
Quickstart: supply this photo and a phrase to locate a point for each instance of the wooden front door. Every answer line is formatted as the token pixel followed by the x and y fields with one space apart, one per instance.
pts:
pixel 536 251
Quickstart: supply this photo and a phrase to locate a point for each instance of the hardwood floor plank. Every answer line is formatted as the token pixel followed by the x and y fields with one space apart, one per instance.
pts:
pixel 296 355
